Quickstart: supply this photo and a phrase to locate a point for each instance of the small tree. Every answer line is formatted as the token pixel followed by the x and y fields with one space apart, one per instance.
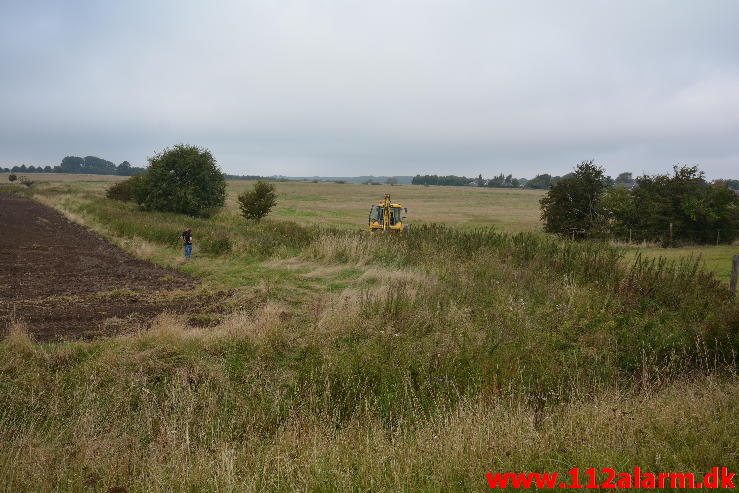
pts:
pixel 573 204
pixel 12 177
pixel 257 203
pixel 184 179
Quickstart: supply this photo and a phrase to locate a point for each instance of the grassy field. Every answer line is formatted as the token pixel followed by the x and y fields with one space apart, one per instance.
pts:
pixel 346 206
pixel 356 362
pixel 717 259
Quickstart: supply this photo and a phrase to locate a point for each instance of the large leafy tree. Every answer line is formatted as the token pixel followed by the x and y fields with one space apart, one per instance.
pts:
pixel 572 207
pixel 184 179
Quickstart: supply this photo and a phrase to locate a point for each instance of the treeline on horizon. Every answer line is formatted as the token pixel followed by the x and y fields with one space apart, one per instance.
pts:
pixel 542 181
pixel 90 165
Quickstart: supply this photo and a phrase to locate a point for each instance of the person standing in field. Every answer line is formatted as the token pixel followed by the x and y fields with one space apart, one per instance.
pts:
pixel 187 241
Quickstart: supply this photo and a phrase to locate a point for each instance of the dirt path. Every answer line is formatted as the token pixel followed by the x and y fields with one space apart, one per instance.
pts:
pixel 64 281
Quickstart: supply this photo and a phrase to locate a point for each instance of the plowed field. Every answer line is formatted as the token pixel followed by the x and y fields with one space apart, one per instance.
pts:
pixel 64 281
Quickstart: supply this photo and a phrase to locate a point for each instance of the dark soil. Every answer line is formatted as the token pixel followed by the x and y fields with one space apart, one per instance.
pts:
pixel 65 281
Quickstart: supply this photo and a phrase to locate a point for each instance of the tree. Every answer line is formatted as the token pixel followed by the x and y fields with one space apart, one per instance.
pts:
pixel 391 181
pixel 257 203
pixel 184 179
pixel 697 210
pixel 540 182
pixel 72 164
pixel 98 166
pixel 626 178
pixel 12 177
pixel 497 181
pixel 573 204
pixel 619 209
pixel 124 169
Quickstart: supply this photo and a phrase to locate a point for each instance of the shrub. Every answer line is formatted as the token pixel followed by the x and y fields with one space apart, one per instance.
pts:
pixel 257 203
pixel 25 181
pixel 184 179
pixel 131 190
pixel 216 245
pixel 12 177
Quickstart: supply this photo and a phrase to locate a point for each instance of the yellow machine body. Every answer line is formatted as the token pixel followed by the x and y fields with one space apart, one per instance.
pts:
pixel 386 216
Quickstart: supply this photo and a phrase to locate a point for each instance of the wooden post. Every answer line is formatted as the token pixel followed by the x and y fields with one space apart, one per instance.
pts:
pixel 734 273
pixel 670 235
pixel 629 236
pixel 718 233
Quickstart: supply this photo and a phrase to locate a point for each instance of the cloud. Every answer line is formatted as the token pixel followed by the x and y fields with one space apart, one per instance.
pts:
pixel 402 87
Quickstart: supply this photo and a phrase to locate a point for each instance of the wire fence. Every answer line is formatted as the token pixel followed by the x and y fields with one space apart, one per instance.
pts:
pixel 668 237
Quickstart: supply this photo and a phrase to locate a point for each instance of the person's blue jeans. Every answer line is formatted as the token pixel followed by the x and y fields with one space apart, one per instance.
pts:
pixel 188 251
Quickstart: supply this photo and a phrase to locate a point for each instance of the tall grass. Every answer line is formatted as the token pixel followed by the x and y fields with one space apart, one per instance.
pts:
pixel 451 354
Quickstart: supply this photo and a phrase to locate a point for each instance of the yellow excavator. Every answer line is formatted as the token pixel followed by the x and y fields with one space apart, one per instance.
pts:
pixel 386 216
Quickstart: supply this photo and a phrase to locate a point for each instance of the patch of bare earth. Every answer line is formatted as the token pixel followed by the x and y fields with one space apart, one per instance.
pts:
pixel 64 281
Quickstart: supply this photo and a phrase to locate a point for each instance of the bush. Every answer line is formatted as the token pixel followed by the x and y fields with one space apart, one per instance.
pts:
pixel 184 179
pixel 257 203
pixel 25 181
pixel 12 177
pixel 216 245
pixel 131 190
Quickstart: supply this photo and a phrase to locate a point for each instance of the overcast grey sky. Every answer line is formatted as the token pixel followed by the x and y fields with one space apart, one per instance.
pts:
pixel 344 88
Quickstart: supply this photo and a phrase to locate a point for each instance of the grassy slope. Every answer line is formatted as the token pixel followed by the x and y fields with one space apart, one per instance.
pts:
pixel 375 363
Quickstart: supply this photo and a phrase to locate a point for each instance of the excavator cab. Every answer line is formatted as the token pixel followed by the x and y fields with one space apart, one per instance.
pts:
pixel 386 216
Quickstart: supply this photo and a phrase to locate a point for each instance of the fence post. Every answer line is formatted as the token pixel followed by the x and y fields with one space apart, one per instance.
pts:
pixel 718 233
pixel 670 235
pixel 734 273
pixel 629 236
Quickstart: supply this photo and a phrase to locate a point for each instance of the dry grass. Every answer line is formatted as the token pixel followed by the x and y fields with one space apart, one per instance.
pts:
pixel 266 323
pixel 85 435
pixel 18 338
pixel 361 363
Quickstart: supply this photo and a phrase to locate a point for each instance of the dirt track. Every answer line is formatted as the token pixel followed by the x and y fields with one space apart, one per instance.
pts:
pixel 65 281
